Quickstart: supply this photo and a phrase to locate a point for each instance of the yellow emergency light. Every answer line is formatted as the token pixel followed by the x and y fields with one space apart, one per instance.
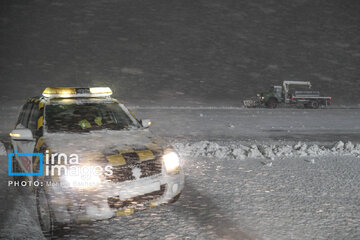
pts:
pixel 76 92
pixel 59 92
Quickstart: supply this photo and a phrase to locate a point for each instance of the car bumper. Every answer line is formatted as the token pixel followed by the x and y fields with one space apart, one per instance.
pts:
pixel 108 200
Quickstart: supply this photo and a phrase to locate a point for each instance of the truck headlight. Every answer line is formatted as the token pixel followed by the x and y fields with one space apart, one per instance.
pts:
pixel 171 162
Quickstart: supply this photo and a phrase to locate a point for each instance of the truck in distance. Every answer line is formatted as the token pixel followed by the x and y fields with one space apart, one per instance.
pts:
pixel 291 92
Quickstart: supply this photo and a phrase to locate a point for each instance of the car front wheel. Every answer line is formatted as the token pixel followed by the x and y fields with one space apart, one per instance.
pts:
pixel 44 212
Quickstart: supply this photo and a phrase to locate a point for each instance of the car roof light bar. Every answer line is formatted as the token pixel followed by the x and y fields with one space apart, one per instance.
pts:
pixel 51 92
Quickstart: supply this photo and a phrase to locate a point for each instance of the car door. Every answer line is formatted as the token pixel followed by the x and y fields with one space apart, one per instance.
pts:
pixel 29 116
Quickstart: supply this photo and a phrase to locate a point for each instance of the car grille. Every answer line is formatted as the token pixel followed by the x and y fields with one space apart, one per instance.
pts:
pixel 124 173
pixel 115 202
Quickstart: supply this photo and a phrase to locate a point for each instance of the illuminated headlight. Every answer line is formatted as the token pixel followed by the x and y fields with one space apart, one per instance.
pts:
pixel 83 180
pixel 171 162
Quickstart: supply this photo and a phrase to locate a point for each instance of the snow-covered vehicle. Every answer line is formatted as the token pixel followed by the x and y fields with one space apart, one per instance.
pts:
pixel 286 94
pixel 116 164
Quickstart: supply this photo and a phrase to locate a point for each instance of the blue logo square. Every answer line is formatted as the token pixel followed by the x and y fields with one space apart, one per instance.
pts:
pixel 10 155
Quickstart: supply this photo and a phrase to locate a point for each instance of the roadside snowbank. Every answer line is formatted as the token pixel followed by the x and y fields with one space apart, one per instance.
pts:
pixel 239 151
pixel 2 150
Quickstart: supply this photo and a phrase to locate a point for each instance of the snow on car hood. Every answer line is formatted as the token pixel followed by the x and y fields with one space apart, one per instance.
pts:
pixel 85 144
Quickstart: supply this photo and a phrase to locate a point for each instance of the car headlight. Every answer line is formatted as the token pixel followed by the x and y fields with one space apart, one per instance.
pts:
pixel 171 162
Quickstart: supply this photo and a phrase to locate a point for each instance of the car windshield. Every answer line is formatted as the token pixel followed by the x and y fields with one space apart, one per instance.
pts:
pixel 86 117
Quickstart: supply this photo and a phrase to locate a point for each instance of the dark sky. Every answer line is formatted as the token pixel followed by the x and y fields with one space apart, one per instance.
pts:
pixel 180 52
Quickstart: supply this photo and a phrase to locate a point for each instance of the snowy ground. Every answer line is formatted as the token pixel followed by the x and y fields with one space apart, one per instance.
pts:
pixel 292 199
pixel 243 181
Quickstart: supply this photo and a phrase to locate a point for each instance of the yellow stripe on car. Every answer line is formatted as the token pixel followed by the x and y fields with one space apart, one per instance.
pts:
pixel 41 104
pixel 145 155
pixel 124 212
pixel 40 122
pixel 39 143
pixel 116 159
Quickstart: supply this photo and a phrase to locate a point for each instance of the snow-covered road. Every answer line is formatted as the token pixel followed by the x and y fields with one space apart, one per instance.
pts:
pixel 285 197
pixel 218 123
pixel 233 199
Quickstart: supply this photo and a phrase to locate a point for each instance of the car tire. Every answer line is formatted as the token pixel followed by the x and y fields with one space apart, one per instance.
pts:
pixel 271 103
pixel 44 212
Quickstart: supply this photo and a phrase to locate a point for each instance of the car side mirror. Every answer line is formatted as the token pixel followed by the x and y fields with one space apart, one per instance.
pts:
pixel 22 134
pixel 146 123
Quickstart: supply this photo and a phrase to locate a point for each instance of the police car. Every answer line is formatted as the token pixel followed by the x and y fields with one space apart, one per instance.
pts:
pixel 96 161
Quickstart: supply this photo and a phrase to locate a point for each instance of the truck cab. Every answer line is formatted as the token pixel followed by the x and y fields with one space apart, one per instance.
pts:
pixel 272 97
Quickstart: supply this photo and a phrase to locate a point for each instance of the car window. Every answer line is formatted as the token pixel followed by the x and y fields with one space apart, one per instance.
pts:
pixel 83 117
pixel 34 116
pixel 21 115
pixel 26 114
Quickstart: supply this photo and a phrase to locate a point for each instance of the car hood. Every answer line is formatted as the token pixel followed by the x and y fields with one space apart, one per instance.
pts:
pixel 101 144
